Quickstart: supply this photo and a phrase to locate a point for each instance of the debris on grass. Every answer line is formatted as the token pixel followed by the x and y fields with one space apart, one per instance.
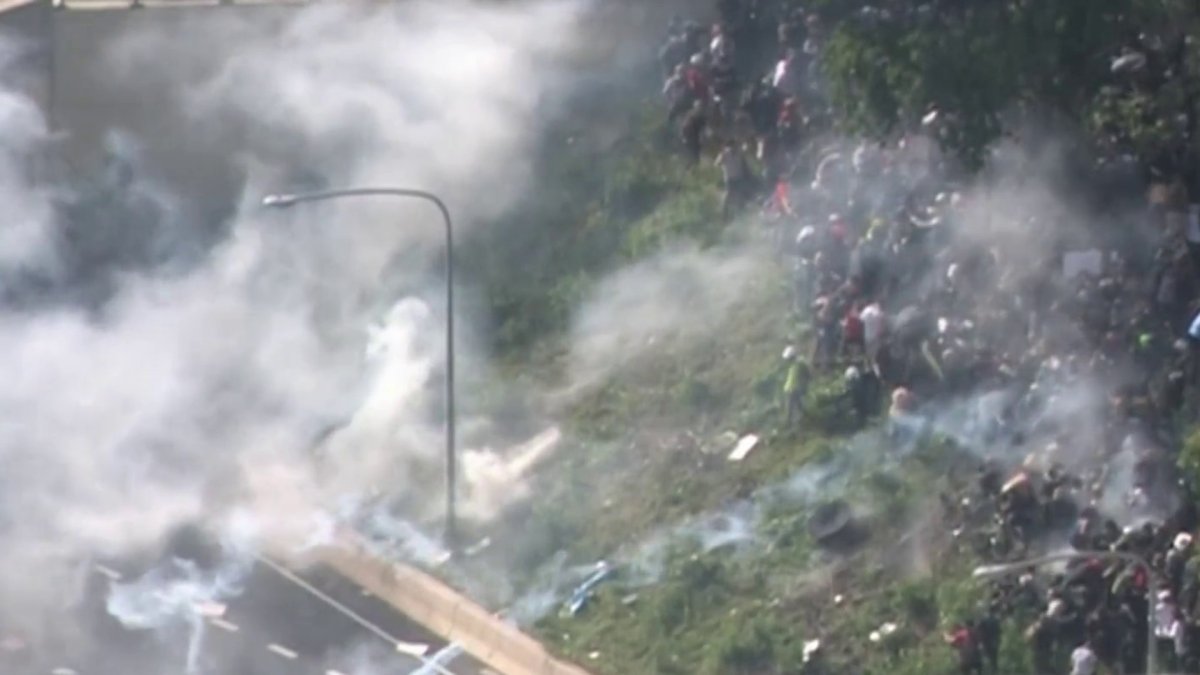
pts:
pixel 743 448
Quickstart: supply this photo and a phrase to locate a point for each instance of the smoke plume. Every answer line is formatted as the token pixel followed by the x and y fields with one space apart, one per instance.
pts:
pixel 240 370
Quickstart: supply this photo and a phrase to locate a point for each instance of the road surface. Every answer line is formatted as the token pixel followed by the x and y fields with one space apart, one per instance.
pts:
pixel 275 627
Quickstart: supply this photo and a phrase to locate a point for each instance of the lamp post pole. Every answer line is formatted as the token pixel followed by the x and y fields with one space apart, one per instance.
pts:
pixel 1151 585
pixel 286 200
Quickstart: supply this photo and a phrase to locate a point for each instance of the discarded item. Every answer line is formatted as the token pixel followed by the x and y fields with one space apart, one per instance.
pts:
pixel 593 655
pixel 838 599
pixel 829 520
pixel 743 447
pixel 930 119
pixel 883 632
pixel 583 593
pixel 1129 63
pixel 811 647
pixel 629 599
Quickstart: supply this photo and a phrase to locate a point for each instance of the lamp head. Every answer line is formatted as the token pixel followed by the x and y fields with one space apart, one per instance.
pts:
pixel 279 201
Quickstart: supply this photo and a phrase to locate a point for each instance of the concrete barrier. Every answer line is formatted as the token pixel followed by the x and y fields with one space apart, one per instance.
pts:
pixel 443 611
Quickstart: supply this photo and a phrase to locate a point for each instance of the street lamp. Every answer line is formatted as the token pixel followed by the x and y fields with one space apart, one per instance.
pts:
pixel 281 201
pixel 1003 569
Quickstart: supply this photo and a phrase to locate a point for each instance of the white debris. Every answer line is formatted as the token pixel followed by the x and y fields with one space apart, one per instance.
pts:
pixel 743 447
pixel 884 631
pixel 811 646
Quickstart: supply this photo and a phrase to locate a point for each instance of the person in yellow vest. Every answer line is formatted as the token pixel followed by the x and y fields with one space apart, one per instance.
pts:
pixel 795 384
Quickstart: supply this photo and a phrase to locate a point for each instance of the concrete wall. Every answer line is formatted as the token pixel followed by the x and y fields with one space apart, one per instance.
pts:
pixel 443 611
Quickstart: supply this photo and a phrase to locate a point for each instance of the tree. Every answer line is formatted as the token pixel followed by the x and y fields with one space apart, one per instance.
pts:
pixel 977 62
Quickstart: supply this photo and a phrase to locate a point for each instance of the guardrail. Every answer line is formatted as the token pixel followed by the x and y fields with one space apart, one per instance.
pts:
pixel 443 611
pixel 102 5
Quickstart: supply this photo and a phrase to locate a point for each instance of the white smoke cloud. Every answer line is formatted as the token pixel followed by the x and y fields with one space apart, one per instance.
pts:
pixel 680 294
pixel 186 394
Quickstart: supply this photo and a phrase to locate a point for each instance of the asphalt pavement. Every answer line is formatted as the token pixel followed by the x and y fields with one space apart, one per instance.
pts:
pixel 273 627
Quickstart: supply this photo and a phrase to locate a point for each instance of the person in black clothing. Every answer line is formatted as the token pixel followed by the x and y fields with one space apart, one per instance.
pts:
pixel 1041 636
pixel 692 131
pixel 988 630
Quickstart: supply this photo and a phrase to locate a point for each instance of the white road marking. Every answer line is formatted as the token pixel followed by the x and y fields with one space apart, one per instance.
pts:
pixel 412 649
pixel 109 572
pixel 282 651
pixel 224 625
pixel 334 672
pixel 64 671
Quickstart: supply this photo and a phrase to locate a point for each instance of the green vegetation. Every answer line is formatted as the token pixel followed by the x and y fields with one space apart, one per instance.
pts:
pixel 646 447
pixel 979 62
pixel 751 612
pixel 588 217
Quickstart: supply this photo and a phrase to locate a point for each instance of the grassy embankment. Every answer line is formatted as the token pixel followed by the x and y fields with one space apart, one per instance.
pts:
pixel 646 448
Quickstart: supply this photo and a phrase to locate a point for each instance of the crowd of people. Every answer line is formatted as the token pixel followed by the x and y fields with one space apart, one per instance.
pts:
pixel 1073 351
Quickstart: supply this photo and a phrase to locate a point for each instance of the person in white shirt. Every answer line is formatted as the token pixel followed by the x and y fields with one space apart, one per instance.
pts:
pixel 873 319
pixel 1083 660
pixel 787 78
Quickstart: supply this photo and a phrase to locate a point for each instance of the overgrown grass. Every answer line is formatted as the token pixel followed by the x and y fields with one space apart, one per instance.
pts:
pixel 647 447
pixel 751 611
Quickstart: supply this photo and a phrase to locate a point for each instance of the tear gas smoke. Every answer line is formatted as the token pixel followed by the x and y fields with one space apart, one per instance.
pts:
pixel 680 294
pixel 240 380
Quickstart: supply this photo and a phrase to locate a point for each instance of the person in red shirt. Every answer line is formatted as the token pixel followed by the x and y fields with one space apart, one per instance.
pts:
pixel 697 81
pixel 970 659
pixel 781 203
pixel 852 332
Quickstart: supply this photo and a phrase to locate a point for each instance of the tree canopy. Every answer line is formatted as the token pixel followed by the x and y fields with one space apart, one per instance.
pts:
pixel 983 62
